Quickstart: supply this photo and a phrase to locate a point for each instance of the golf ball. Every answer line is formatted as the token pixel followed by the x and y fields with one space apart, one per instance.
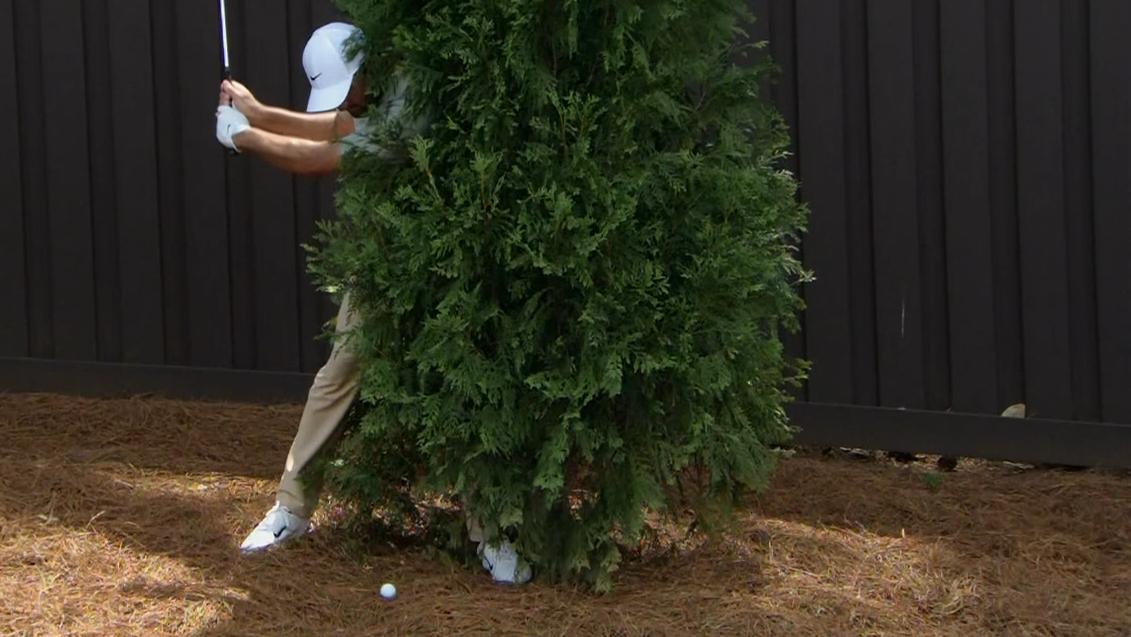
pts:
pixel 388 591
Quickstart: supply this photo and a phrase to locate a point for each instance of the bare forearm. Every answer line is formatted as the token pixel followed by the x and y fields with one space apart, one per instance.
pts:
pixel 319 127
pixel 292 154
pixel 313 126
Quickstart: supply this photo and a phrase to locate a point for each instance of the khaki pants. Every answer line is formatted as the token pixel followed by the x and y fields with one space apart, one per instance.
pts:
pixel 334 389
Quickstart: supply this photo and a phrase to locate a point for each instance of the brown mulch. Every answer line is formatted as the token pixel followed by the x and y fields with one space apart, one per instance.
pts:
pixel 122 517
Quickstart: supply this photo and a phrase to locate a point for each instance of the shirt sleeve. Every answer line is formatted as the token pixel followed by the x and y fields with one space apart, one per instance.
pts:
pixel 361 140
pixel 391 124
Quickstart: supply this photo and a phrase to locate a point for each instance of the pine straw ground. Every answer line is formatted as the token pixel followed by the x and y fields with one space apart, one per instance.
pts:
pixel 122 517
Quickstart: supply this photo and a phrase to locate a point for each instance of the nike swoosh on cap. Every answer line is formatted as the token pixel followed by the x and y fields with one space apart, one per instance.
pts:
pixel 316 77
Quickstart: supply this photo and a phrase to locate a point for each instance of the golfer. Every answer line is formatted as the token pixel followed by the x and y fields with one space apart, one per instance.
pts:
pixel 313 143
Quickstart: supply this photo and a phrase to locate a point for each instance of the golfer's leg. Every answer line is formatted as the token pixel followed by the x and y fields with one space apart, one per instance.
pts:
pixel 334 389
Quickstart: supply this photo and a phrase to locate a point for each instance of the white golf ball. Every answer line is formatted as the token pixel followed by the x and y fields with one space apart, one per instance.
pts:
pixel 388 591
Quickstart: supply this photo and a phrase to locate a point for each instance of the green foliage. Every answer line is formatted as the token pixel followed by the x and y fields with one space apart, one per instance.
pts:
pixel 572 290
pixel 933 480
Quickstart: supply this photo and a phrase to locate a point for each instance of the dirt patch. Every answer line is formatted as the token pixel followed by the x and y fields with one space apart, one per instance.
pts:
pixel 122 517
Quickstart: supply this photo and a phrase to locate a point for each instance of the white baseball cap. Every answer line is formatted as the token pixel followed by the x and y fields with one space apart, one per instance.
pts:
pixel 327 68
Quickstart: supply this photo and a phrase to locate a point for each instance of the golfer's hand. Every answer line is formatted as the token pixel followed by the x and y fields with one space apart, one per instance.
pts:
pixel 238 95
pixel 229 124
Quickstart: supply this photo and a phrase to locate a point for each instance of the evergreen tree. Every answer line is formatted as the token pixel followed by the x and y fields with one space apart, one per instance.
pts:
pixel 572 288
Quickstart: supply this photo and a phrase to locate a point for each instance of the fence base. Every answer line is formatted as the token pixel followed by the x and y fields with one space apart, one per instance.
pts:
pixel 1032 440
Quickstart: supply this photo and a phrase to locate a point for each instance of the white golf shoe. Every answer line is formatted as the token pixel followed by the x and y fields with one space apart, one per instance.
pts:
pixel 277 527
pixel 504 563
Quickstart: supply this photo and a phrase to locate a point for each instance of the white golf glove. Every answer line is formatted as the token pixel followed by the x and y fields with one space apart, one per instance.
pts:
pixel 229 123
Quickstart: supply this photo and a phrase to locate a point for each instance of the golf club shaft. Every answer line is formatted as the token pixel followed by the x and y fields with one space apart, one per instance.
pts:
pixel 224 39
pixel 224 36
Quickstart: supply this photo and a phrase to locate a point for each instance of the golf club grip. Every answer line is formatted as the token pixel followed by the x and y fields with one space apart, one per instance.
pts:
pixel 228 76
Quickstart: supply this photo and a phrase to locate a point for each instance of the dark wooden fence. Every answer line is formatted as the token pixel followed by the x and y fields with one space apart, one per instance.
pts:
pixel 127 235
pixel 967 164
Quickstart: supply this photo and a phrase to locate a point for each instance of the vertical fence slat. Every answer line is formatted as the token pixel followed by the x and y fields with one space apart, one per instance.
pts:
pixel 1111 117
pixel 33 156
pixel 899 315
pixel 103 206
pixel 241 252
pixel 1003 203
pixel 1080 237
pixel 204 196
pixel 822 151
pixel 241 248
pixel 783 35
pixel 858 189
pixel 932 221
pixel 68 181
pixel 782 27
pixel 167 90
pixel 1040 184
pixel 136 174
pixel 272 214
pixel 966 195
pixel 13 318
